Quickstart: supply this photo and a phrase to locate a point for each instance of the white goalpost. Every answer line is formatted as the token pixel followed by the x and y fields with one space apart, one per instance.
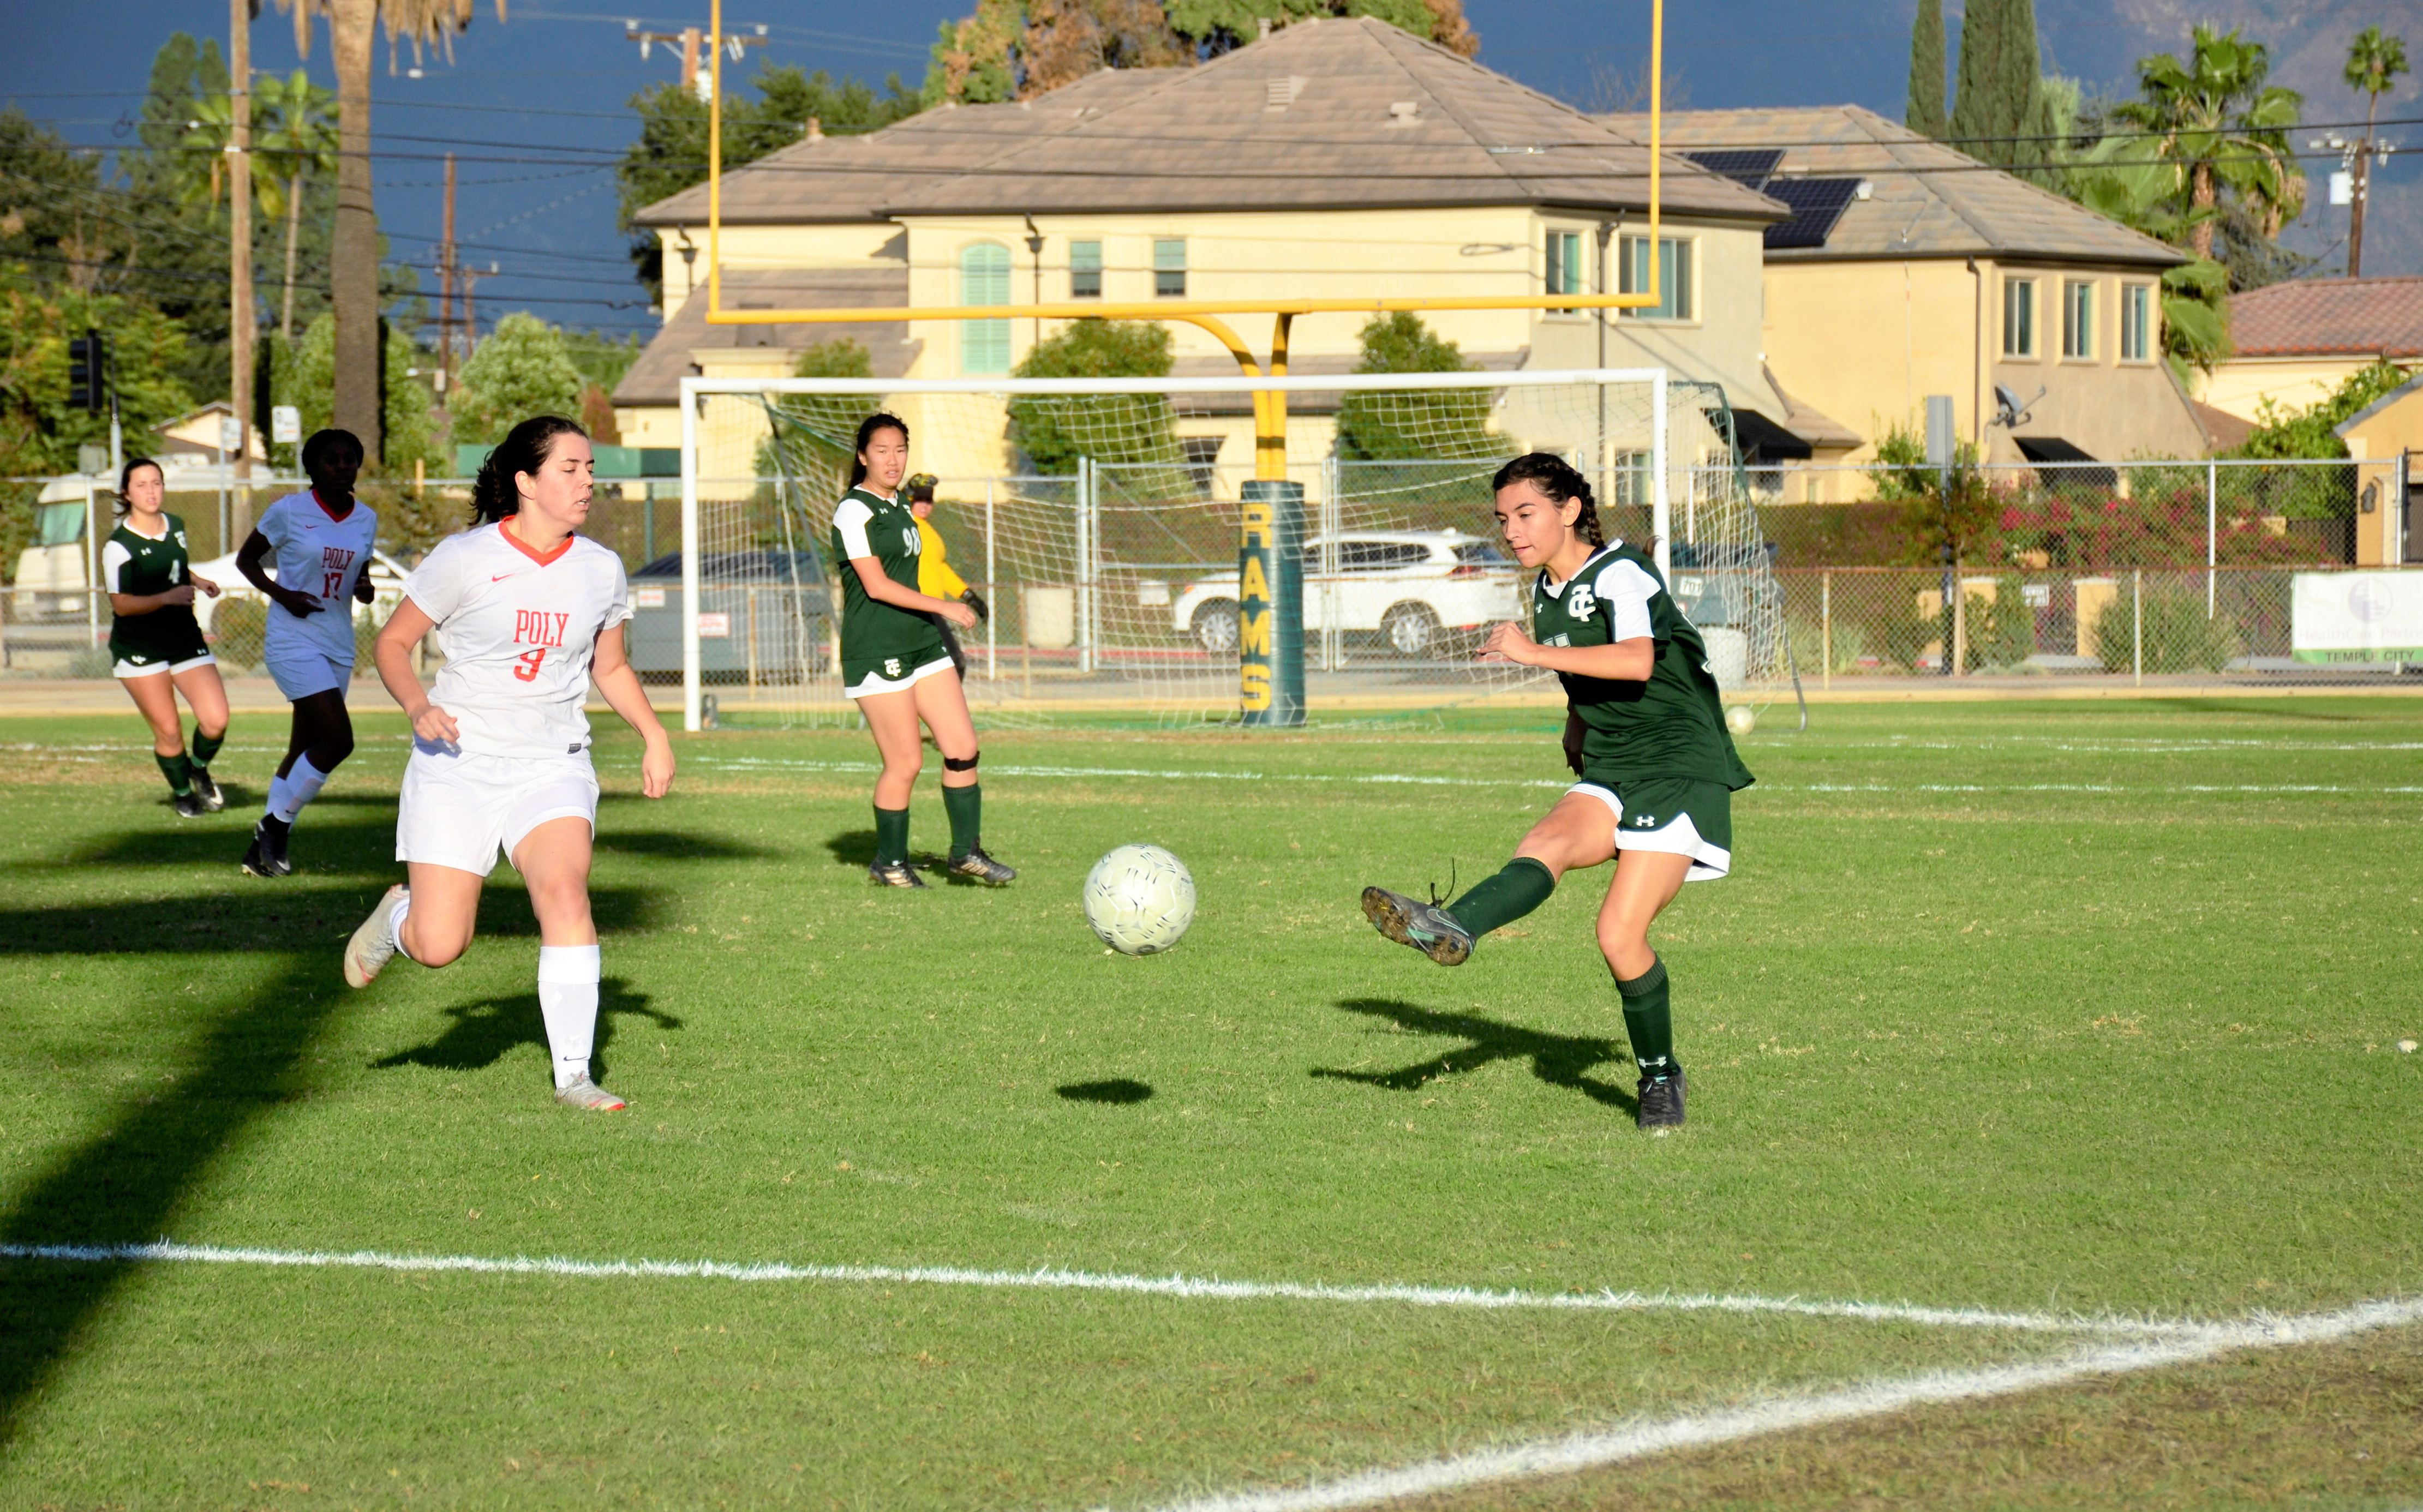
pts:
pixel 1100 521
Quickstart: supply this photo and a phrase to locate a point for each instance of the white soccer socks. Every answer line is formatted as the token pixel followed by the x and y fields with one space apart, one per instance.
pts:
pixel 299 786
pixel 395 925
pixel 567 1000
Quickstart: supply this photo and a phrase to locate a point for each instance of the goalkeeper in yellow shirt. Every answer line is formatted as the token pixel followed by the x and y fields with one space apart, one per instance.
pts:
pixel 934 575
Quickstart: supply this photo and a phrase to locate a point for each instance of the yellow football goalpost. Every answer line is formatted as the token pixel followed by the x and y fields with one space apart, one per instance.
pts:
pixel 1258 539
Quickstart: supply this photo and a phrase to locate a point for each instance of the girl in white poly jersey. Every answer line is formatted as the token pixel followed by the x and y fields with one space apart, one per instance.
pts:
pixel 318 542
pixel 527 613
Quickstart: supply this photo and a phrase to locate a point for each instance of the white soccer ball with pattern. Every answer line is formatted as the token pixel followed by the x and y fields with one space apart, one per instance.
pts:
pixel 1139 899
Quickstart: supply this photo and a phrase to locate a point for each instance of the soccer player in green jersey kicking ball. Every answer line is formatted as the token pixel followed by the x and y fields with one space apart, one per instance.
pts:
pixel 155 645
pixel 1657 769
pixel 895 663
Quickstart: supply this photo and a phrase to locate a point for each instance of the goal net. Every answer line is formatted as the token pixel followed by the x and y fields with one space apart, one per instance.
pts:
pixel 1100 521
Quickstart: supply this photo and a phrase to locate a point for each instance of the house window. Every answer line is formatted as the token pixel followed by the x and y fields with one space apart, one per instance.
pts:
pixel 1631 480
pixel 2018 317
pixel 2136 323
pixel 1084 270
pixel 1170 268
pixel 1671 273
pixel 983 279
pixel 1564 262
pixel 2077 319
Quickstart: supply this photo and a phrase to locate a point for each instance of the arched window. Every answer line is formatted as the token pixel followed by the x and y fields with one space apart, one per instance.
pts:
pixel 983 279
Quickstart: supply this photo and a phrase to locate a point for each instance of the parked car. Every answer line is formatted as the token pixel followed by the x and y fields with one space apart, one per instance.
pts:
pixel 387 583
pixel 1409 587
pixel 762 612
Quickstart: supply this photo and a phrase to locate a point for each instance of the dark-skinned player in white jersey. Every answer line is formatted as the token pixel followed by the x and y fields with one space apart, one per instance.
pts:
pixel 1657 770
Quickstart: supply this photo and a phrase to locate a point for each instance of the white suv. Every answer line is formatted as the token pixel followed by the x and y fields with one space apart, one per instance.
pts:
pixel 1409 586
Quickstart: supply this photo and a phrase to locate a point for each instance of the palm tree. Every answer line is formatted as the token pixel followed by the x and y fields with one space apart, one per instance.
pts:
pixel 2224 126
pixel 2115 177
pixel 2374 62
pixel 354 253
pixel 300 136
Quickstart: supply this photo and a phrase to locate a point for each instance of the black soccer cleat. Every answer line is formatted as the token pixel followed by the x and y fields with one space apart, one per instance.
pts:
pixel 189 805
pixel 975 866
pixel 1425 927
pixel 1661 1101
pixel 208 791
pixel 266 856
pixel 894 874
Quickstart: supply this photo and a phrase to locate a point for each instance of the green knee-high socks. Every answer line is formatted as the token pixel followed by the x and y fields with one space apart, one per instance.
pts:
pixel 178 770
pixel 1520 886
pixel 891 836
pixel 965 806
pixel 1648 1021
pixel 206 746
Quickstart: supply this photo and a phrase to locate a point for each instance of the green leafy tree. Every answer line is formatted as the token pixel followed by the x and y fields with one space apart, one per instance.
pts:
pixel 303 374
pixel 38 431
pixel 521 369
pixel 669 154
pixel 1055 431
pixel 1924 114
pixel 2374 62
pixel 2313 430
pixel 816 431
pixel 2226 128
pixel 1378 425
pixel 1019 49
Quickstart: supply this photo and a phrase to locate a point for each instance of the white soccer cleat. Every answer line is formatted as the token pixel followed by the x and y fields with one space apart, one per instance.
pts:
pixel 587 1093
pixel 368 951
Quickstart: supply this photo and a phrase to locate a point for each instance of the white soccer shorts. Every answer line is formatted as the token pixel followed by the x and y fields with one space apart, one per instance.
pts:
pixel 128 670
pixel 878 683
pixel 300 671
pixel 464 810
pixel 1678 836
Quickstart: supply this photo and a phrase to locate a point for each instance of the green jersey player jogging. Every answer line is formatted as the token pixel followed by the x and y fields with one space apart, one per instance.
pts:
pixel 1658 768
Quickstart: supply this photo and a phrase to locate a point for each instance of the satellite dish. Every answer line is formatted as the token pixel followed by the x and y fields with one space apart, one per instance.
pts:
pixel 2010 410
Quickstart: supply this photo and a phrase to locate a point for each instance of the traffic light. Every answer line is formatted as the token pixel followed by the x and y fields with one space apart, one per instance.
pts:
pixel 87 374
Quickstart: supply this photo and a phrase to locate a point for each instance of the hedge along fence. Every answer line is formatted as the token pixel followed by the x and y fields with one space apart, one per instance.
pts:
pixel 2092 516
pixel 1885 622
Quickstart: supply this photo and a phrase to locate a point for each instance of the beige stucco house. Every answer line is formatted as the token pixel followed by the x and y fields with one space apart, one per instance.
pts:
pixel 2386 439
pixel 2292 344
pixel 1333 158
pixel 1908 269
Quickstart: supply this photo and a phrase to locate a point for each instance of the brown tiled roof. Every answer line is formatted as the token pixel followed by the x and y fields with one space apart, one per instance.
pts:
pixel 2328 316
pixel 1926 200
pixel 1336 114
pixel 656 377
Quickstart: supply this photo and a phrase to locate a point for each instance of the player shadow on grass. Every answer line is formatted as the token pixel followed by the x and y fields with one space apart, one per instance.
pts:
pixel 361 847
pixel 852 847
pixel 1559 1060
pixel 243 1042
pixel 486 1032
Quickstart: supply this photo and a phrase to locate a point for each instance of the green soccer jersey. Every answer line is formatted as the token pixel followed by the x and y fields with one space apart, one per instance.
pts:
pixel 880 641
pixel 139 566
pixel 1670 726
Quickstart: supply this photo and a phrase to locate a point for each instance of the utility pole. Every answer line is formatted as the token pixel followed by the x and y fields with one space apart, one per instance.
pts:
pixel 241 318
pixel 692 80
pixel 446 287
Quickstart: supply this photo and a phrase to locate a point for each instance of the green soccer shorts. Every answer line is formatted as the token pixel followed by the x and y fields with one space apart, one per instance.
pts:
pixel 1684 816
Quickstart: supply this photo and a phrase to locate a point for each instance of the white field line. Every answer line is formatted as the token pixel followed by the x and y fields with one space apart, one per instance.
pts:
pixel 1393 779
pixel 1190 1287
pixel 1803 1409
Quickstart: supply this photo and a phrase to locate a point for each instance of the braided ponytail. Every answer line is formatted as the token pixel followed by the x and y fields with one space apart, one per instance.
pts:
pixel 1561 481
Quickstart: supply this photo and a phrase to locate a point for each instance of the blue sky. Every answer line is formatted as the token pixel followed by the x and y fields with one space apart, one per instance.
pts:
pixel 551 85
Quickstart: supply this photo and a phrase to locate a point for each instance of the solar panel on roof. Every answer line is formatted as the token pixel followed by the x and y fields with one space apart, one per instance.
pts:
pixel 1816 205
pixel 1749 166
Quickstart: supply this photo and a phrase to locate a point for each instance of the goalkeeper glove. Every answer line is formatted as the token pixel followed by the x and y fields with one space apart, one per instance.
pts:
pixel 975 600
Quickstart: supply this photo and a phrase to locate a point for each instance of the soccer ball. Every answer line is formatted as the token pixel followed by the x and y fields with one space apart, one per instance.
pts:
pixel 1139 899
pixel 1741 718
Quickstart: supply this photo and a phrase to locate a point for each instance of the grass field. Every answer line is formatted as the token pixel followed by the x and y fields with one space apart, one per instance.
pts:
pixel 2059 1018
